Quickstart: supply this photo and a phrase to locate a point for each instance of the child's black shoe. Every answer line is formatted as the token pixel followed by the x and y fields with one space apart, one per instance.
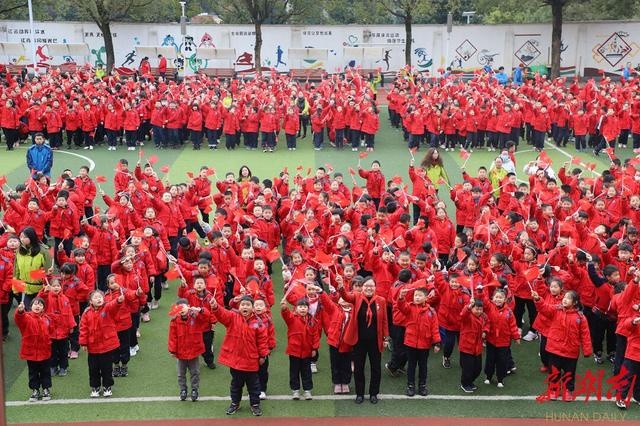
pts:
pixel 116 371
pixel 423 391
pixel 194 395
pixel 411 390
pixel 124 371
pixel 183 395
pixel 256 411
pixel 233 408
pixel 46 394
pixel 35 395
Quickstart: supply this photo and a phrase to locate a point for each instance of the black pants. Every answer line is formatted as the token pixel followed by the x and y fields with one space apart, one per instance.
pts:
pixel 155 291
pixel 130 137
pixel 304 123
pixel 159 136
pixel 417 357
pixel 339 138
pixel 195 224
pixel 633 371
pixel 122 354
pixel 497 361
pixel 601 328
pixel 518 311
pixel 251 139
pixel 623 138
pixel 207 338
pixel 103 273
pixel 562 369
pixel 196 138
pixel 39 374
pixel 87 138
pixel 173 243
pixel 449 338
pixel 581 142
pixel 268 139
pixel 75 334
pixel 75 137
pixel 471 366
pixel 544 355
pixel 300 368
pixel 60 353
pixel 340 366
pixel 291 140
pixel 238 380
pixel 355 138
pixel 263 375
pixel 538 139
pixel 621 347
pixel 133 338
pixel 635 137
pixel 399 353
pixel 10 136
pixel 362 350
pixel 101 369
pixel 4 311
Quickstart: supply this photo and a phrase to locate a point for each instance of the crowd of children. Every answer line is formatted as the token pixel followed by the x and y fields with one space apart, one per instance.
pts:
pixel 356 265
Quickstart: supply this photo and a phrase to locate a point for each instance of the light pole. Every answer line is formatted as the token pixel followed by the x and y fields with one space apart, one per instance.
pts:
pixel 449 30
pixel 33 40
pixel 183 33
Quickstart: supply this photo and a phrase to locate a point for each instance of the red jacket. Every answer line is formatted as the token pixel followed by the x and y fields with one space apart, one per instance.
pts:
pixel 131 120
pixel 123 317
pixel 63 222
pixel 245 342
pixel 375 182
pixel 53 121
pixel 87 188
pixel 36 339
pixel 195 121
pixel 103 243
pixel 185 335
pixel 471 329
pixel 451 302
pixel 421 325
pixel 98 328
pixel 633 339
pixel 568 332
pixel 60 313
pixel 502 324
pixel 338 322
pixel 303 334
pixel 382 326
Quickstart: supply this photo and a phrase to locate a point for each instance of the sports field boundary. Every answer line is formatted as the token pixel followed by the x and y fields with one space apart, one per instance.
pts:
pixel 121 400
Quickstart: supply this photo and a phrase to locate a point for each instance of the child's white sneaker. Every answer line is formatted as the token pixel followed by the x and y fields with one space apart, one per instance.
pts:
pixel 296 395
pixel 487 381
pixel 500 385
pixel 95 393
pixel 307 395
pixel 107 392
pixel 263 395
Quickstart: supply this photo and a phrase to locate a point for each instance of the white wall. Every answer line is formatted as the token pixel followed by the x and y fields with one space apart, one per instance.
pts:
pixel 588 46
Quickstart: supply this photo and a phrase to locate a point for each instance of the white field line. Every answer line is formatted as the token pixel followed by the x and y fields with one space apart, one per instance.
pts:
pixel 281 398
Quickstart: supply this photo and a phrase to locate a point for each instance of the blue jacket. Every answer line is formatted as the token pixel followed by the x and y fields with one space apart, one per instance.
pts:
pixel 502 78
pixel 517 76
pixel 40 158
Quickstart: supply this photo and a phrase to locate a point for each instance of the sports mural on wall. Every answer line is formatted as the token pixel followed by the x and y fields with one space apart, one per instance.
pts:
pixel 589 47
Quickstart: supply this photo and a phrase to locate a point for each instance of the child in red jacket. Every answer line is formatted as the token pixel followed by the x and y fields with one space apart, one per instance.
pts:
pixel 340 313
pixel 98 337
pixel 186 345
pixel 199 296
pixel 244 349
pixel 421 333
pixel 502 329
pixel 36 347
pixel 474 327
pixel 62 324
pixel 303 340
pixel 568 333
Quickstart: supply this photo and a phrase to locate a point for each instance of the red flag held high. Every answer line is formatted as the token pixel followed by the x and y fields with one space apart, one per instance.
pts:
pixel 164 169
pixel 175 310
pixel 172 274
pixel 464 154
pixel 101 179
pixel 273 255
pixel 38 274
pixel 363 154
pixel 153 159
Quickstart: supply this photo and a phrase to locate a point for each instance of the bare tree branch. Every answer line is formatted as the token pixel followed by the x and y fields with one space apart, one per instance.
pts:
pixel 12 8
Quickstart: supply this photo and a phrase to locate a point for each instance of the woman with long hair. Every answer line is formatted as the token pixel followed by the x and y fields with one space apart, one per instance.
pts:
pixel 434 167
pixel 29 258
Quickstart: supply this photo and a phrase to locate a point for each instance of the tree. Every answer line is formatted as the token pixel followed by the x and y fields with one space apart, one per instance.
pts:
pixel 103 12
pixel 406 11
pixel 556 34
pixel 259 12
pixel 10 7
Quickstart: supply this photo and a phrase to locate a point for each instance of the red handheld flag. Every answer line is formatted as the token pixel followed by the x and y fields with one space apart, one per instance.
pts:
pixel 323 259
pixel 396 179
pixel 363 154
pixel 591 166
pixel 101 179
pixel 190 175
pixel 66 234
pixel 211 171
pixel 576 160
pixel 299 168
pixel 164 169
pixel 172 274
pixel 421 283
pixel 464 154
pixel 544 157
pixel 19 286
pixel 3 180
pixel 174 310
pixel 273 255
pixel 531 273
pixel 38 274
pixel 77 242
pixel 153 159
pixel 352 172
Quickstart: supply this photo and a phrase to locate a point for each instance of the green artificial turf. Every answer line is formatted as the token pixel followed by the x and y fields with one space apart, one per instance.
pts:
pixel 152 371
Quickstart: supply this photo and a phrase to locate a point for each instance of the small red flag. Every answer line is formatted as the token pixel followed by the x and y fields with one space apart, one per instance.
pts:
pixel 363 154
pixel 591 166
pixel 323 259
pixel 351 171
pixel 172 274
pixel 101 179
pixel 3 180
pixel 164 169
pixel 77 242
pixel 273 255
pixel 190 175
pixel 531 273
pixel 299 218
pixel 396 179
pixel 464 154
pixel 38 274
pixel 66 234
pixel 153 159
pixel 544 157
pixel 401 243
pixel 576 160
pixel 174 310
pixel 211 171
pixel 611 152
pixel 299 168
pixel 19 286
